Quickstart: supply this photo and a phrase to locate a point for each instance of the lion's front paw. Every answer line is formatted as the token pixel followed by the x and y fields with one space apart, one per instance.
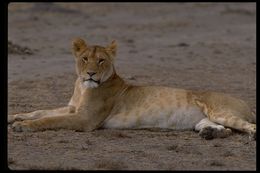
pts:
pixel 22 126
pixel 10 119
pixel 15 117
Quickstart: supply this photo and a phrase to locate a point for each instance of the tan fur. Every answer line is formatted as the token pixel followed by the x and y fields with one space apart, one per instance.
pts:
pixel 110 102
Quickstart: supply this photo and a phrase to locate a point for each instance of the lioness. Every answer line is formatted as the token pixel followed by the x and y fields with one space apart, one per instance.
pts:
pixel 103 99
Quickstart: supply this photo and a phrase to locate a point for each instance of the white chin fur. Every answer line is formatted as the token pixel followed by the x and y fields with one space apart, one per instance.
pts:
pixel 90 84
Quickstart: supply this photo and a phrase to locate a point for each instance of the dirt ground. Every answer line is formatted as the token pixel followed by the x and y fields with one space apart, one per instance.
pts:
pixel 194 46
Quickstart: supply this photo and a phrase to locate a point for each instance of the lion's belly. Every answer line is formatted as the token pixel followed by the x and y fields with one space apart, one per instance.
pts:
pixel 172 118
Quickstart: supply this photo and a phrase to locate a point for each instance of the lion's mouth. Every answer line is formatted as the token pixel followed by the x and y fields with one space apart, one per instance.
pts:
pixel 90 79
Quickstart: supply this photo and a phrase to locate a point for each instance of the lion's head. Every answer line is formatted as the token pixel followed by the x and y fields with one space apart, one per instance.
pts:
pixel 94 64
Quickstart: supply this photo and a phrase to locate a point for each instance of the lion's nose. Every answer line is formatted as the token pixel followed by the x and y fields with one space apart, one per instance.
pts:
pixel 91 73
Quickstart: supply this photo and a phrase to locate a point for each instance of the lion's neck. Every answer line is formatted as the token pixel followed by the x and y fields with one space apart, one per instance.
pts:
pixel 114 82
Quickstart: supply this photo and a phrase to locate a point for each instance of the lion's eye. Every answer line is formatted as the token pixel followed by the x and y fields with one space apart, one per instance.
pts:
pixel 101 61
pixel 85 59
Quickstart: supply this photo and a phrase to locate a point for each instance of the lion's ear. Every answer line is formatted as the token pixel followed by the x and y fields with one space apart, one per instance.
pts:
pixel 112 48
pixel 78 45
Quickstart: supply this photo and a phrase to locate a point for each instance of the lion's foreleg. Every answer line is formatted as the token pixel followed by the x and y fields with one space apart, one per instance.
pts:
pixel 40 113
pixel 68 121
pixel 81 121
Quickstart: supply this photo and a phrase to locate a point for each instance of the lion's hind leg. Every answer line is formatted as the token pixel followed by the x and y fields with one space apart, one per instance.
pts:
pixel 209 130
pixel 228 118
pixel 228 111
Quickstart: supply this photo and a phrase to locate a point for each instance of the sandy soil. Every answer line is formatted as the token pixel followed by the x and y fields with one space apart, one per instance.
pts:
pixel 194 46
